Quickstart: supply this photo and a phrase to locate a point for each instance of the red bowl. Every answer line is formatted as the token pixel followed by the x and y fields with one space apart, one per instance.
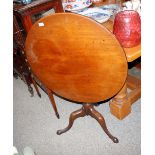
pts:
pixel 127 28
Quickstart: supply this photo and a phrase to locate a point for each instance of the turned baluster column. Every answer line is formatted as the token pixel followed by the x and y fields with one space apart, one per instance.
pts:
pixel 120 105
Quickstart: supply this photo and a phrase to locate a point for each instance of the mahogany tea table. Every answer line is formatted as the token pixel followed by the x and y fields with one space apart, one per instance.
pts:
pixel 78 59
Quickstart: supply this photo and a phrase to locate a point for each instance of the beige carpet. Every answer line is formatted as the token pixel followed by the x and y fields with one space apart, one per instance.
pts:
pixel 35 125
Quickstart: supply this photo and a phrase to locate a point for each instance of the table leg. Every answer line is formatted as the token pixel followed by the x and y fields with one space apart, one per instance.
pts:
pixel 88 109
pixel 36 87
pixel 120 105
pixel 50 95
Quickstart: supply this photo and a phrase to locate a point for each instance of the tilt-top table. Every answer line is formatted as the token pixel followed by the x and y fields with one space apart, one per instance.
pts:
pixel 79 60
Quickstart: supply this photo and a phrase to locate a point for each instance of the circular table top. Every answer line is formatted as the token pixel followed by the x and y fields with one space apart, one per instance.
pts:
pixel 76 57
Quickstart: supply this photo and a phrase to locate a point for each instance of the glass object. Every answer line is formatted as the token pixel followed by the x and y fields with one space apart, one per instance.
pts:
pixel 26 1
pixel 41 14
pixel 127 28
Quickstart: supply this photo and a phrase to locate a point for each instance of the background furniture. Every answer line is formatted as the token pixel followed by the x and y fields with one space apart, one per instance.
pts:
pixel 20 66
pixel 30 13
pixel 77 62
pixel 121 103
pixel 24 18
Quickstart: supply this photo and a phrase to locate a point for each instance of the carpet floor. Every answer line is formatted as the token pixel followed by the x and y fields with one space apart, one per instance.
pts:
pixel 35 125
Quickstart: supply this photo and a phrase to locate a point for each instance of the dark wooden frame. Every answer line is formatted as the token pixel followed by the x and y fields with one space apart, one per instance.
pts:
pixel 24 13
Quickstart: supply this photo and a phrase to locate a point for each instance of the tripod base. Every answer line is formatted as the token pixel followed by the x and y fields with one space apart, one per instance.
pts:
pixel 88 109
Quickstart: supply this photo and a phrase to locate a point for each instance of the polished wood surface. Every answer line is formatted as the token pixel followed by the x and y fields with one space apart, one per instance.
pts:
pixel 131 53
pixel 76 57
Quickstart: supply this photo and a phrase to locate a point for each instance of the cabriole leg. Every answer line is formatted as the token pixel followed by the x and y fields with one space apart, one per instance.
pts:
pixel 74 115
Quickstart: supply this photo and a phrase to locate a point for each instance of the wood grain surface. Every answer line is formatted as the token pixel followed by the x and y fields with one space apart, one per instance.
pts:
pixel 76 57
pixel 131 53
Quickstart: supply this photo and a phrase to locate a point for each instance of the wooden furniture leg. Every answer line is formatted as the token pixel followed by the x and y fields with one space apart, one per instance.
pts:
pixel 88 109
pixel 120 105
pixel 74 115
pixel 30 89
pixel 36 87
pixel 50 95
pixel 95 114
pixel 15 75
